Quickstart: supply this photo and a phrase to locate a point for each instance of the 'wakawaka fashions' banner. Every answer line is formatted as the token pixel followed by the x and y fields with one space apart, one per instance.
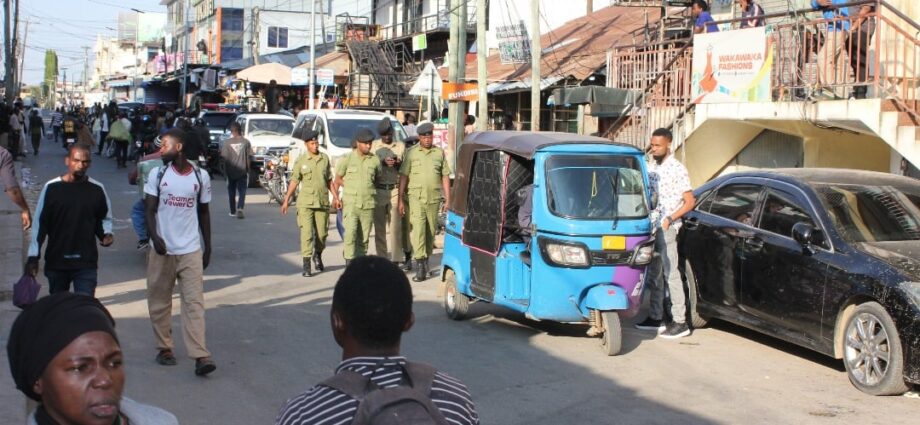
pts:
pixel 732 66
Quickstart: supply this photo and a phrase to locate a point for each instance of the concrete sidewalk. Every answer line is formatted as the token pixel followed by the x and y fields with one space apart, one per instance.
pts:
pixel 13 405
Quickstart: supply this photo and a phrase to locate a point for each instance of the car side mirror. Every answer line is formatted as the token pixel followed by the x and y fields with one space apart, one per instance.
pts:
pixel 806 234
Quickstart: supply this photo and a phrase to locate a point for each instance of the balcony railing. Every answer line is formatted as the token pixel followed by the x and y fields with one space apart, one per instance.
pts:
pixel 885 64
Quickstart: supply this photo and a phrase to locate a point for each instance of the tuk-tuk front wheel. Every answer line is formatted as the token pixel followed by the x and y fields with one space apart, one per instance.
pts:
pixel 456 304
pixel 612 339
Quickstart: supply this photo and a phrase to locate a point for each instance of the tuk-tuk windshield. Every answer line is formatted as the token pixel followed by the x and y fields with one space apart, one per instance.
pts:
pixel 582 187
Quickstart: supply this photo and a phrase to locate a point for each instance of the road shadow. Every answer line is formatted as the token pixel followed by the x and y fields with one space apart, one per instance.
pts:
pixel 778 344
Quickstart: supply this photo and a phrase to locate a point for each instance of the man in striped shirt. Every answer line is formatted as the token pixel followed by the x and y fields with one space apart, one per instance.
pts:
pixel 371 308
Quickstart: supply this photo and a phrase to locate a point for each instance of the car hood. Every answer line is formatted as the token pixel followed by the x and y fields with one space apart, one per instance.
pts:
pixel 903 255
pixel 271 141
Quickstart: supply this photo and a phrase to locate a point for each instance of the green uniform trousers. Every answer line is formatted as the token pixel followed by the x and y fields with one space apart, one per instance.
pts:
pixel 423 221
pixel 358 222
pixel 388 226
pixel 314 227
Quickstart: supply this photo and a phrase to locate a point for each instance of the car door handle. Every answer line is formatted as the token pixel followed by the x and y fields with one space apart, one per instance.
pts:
pixel 755 243
pixel 692 223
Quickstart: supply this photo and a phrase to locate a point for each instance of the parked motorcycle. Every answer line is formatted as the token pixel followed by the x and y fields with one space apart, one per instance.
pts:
pixel 276 177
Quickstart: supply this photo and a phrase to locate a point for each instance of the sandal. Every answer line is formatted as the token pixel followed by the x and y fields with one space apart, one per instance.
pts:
pixel 166 358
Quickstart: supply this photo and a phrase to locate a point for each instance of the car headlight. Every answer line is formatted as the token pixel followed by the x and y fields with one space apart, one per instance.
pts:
pixel 912 289
pixel 261 150
pixel 566 254
pixel 643 254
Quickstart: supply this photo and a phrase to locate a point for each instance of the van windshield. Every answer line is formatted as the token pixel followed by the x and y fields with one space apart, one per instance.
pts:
pixel 342 131
pixel 582 187
pixel 276 126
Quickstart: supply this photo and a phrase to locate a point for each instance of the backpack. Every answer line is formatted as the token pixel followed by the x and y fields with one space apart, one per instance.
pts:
pixel 408 403
pixel 161 171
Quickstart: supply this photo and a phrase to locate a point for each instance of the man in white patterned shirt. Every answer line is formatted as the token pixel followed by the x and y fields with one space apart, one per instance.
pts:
pixel 371 308
pixel 670 180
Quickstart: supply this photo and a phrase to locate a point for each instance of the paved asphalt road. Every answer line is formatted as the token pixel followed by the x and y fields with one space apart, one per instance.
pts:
pixel 268 329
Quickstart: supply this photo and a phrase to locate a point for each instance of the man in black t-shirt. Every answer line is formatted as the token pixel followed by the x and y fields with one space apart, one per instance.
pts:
pixel 72 211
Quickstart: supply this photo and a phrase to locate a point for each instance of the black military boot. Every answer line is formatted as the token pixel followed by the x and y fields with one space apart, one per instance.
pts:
pixel 306 267
pixel 421 274
pixel 318 262
pixel 407 265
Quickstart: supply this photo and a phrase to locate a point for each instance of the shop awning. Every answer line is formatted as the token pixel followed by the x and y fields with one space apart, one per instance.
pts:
pixel 604 101
pixel 266 72
pixel 336 61
pixel 518 86
pixel 118 83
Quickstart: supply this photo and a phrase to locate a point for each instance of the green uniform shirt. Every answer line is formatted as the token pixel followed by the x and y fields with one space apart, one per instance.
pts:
pixel 425 169
pixel 358 174
pixel 143 170
pixel 388 175
pixel 314 174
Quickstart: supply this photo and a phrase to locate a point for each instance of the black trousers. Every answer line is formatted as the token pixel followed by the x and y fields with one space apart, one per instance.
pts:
pixel 121 151
pixel 858 50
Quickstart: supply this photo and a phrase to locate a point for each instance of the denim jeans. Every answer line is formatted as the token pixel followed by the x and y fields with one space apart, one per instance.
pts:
pixel 84 281
pixel 663 275
pixel 139 219
pixel 237 187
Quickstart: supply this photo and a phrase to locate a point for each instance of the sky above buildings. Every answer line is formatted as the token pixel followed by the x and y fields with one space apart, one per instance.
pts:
pixel 67 26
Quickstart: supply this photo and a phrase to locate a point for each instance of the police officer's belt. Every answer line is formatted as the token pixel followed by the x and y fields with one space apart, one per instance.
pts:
pixel 385 186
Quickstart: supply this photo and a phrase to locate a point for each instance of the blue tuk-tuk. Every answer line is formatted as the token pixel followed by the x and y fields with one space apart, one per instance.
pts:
pixel 583 254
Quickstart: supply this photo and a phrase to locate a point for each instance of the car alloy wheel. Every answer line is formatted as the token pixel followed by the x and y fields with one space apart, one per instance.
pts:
pixel 872 351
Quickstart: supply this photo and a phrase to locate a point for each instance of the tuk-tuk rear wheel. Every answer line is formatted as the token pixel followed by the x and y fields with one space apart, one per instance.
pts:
pixel 456 304
pixel 612 339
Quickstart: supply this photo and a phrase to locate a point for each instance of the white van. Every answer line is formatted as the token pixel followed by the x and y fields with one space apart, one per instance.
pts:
pixel 337 128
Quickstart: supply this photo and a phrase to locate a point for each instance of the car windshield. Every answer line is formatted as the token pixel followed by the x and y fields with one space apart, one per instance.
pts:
pixel 219 121
pixel 867 213
pixel 276 126
pixel 581 187
pixel 342 131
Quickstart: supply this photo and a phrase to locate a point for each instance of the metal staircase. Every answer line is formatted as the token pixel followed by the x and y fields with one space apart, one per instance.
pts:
pixel 389 83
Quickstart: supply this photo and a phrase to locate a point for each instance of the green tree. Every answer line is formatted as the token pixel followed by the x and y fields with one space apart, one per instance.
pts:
pixel 51 74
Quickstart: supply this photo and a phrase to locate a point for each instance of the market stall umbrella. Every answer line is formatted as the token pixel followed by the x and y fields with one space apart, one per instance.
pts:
pixel 266 72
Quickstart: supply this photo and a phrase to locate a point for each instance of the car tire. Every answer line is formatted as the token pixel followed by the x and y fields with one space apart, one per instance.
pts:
pixel 456 304
pixel 697 320
pixel 612 339
pixel 872 351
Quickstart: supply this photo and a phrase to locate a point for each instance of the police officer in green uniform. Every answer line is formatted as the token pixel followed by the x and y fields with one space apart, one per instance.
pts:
pixel 357 171
pixel 386 214
pixel 312 174
pixel 424 180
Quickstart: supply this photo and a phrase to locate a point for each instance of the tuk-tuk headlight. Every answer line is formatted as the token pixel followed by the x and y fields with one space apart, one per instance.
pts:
pixel 644 253
pixel 564 253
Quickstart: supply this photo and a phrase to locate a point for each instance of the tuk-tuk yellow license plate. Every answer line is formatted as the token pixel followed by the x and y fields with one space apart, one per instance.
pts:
pixel 613 243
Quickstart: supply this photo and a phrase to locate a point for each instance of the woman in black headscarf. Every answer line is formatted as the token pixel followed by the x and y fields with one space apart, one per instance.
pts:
pixel 64 353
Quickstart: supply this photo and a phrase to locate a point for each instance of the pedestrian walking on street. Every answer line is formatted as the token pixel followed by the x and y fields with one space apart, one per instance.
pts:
pixel 72 211
pixel 108 114
pixel 670 180
pixel 139 177
pixel 64 353
pixel 177 195
pixel 389 237
pixel 69 130
pixel 57 120
pixel 357 172
pixel 311 178
pixel 11 186
pixel 120 134
pixel 15 132
pixel 424 183
pixel 36 130
pixel 371 309
pixel 235 154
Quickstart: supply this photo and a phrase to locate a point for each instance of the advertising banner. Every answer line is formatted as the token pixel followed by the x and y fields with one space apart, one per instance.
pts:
pixel 300 76
pixel 460 91
pixel 732 66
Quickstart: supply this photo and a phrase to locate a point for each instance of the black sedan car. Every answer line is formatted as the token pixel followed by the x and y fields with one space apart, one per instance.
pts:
pixel 823 258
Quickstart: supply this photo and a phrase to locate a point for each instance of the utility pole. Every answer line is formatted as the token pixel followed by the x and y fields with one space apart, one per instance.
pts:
pixel 312 53
pixel 7 51
pixel 64 89
pixel 481 73
pixel 453 62
pixel 184 56
pixel 15 78
pixel 535 65
pixel 22 54
pixel 461 72
pixel 590 9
